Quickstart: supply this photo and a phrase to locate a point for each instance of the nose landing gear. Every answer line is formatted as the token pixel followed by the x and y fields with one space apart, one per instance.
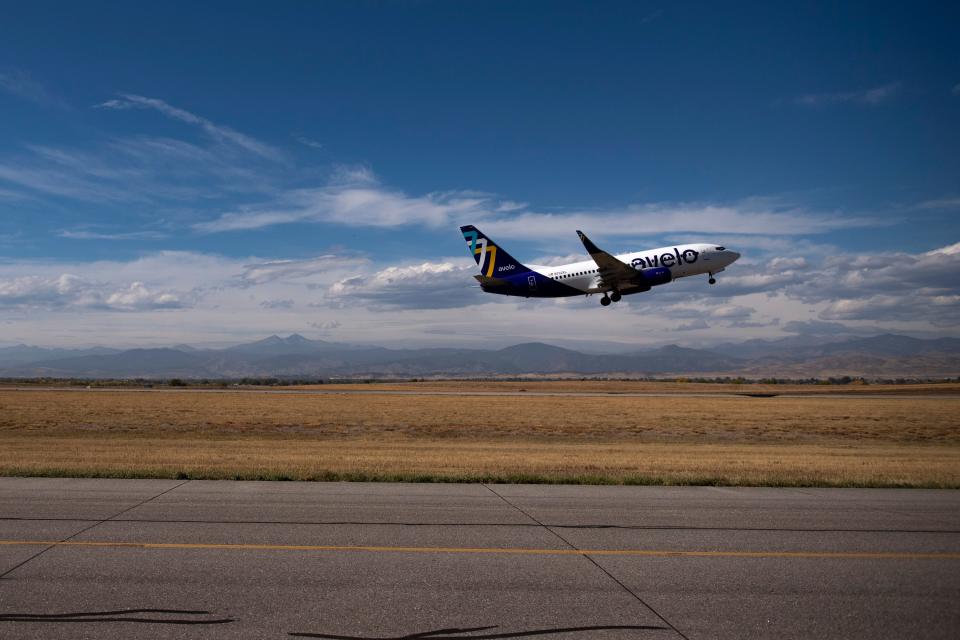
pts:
pixel 712 280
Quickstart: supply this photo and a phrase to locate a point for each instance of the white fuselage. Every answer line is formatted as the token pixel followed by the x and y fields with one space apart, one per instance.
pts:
pixel 683 260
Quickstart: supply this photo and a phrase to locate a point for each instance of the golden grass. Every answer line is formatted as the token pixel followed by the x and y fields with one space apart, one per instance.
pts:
pixel 252 414
pixel 512 461
pixel 713 440
pixel 649 386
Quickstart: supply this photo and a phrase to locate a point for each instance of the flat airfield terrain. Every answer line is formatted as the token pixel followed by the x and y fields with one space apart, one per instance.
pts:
pixel 101 558
pixel 647 387
pixel 530 431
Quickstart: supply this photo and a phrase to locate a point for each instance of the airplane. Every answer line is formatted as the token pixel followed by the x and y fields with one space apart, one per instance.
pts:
pixel 613 276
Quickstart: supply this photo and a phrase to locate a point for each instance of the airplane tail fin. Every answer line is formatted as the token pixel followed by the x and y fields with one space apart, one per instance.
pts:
pixel 490 257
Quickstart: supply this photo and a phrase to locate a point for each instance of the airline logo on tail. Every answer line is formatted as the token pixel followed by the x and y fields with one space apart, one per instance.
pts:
pixel 479 247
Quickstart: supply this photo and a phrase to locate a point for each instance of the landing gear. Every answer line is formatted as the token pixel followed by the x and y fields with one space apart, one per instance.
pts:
pixel 712 280
pixel 613 297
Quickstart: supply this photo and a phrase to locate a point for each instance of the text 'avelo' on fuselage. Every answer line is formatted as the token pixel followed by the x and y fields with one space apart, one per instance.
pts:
pixel 607 274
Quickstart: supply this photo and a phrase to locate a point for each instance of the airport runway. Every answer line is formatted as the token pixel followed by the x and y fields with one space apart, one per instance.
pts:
pixel 208 559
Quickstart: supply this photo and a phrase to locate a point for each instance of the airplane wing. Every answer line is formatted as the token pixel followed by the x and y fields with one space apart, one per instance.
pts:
pixel 614 274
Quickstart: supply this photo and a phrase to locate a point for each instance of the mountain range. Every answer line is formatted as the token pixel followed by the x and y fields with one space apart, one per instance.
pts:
pixel 295 356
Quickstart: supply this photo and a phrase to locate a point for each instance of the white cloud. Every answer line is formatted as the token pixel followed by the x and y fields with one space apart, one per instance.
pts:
pixel 309 142
pixel 771 275
pixel 138 296
pixel 371 205
pixel 181 181
pixel 54 181
pixel 427 285
pixel 939 203
pixel 77 302
pixel 554 261
pixel 950 250
pixel 95 235
pixel 326 327
pixel 436 302
pixel 867 293
pixel 818 328
pixel 861 308
pixel 898 286
pixel 277 304
pixel 869 97
pixel 357 206
pixel 784 277
pixel 346 175
pixel 151 172
pixel 732 312
pixel 758 244
pixel 218 132
pixel 901 274
pixel 297 270
pixel 879 288
pixel 207 171
pixel 70 291
pixel 672 218
pixel 509 205
pixel 782 264
pixel 694 325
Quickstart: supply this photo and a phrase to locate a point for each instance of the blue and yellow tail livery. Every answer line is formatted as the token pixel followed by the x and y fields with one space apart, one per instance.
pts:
pixel 492 260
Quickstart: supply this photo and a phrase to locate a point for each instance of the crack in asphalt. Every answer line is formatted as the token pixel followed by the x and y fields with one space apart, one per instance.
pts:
pixel 592 561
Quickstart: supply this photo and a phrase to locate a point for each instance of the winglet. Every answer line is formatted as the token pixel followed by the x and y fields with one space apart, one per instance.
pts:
pixel 592 249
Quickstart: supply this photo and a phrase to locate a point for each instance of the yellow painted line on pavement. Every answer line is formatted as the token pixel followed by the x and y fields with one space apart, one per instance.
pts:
pixel 650 553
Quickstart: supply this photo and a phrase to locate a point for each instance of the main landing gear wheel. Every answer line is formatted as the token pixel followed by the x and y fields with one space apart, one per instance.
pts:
pixel 615 296
pixel 605 301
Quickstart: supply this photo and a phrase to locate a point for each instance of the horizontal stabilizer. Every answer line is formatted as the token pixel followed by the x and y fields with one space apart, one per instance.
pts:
pixel 487 281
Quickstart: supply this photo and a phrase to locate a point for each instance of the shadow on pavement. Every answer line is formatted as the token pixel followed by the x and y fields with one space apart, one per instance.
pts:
pixel 122 615
pixel 457 634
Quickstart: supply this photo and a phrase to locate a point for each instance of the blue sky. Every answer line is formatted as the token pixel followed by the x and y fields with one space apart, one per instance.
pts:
pixel 185 173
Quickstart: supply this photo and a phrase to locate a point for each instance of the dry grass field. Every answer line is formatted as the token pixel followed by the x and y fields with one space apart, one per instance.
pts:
pixel 574 385
pixel 814 440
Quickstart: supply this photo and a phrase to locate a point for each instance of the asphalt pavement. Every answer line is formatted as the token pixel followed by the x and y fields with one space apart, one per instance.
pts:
pixel 85 558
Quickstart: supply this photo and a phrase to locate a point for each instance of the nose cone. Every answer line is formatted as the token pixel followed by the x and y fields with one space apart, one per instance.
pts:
pixel 732 256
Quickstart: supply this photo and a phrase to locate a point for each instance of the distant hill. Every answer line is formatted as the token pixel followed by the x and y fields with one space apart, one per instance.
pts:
pixel 901 346
pixel 295 356
pixel 133 363
pixel 22 353
pixel 295 344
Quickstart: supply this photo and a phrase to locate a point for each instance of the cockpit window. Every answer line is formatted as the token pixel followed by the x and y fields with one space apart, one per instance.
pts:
pixel 721 248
